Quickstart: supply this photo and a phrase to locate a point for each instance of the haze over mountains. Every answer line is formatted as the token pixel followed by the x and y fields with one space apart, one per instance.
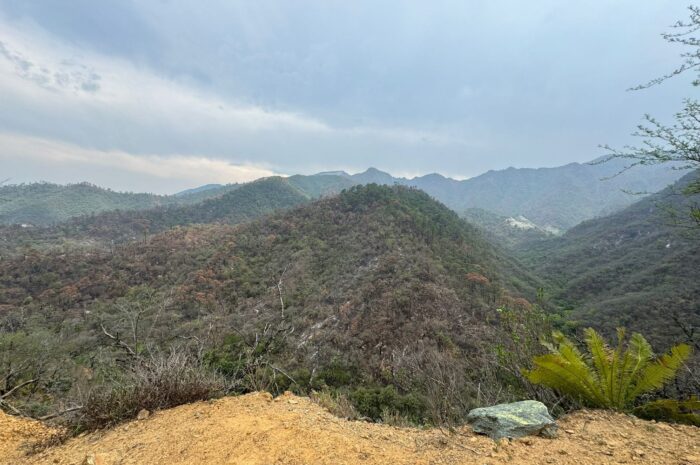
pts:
pixel 554 199
pixel 638 268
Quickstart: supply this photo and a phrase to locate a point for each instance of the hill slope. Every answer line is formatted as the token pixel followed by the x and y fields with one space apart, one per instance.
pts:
pixel 507 231
pixel 634 268
pixel 257 430
pixel 44 203
pixel 234 206
pixel 559 197
pixel 373 287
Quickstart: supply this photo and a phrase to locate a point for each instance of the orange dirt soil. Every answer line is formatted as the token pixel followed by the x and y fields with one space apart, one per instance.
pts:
pixel 256 430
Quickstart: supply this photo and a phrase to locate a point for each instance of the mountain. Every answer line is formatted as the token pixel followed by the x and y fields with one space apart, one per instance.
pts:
pixel 237 205
pixel 197 190
pixel 553 198
pixel 371 289
pixel 44 203
pixel 635 268
pixel 507 231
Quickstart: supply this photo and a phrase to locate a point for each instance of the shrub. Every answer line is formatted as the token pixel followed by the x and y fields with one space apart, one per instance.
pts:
pixel 378 403
pixel 677 411
pixel 157 382
pixel 607 378
pixel 336 403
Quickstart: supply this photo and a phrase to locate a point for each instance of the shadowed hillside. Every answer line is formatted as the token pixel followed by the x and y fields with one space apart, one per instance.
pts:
pixel 558 197
pixel 636 268
pixel 44 203
pixel 235 206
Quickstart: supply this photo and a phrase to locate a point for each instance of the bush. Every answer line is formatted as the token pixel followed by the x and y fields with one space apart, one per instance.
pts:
pixel 378 403
pixel 676 411
pixel 607 378
pixel 157 382
pixel 336 403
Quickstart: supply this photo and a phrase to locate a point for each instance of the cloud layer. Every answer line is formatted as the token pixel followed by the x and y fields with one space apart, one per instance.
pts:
pixel 158 96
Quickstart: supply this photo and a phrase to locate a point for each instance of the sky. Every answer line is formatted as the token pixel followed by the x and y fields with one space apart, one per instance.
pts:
pixel 164 95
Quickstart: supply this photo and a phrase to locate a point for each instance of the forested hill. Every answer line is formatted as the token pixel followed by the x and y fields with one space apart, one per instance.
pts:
pixel 44 203
pixel 244 203
pixel 376 282
pixel 558 197
pixel 636 268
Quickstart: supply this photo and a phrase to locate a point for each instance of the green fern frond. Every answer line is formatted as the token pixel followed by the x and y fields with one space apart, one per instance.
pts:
pixel 566 370
pixel 639 354
pixel 610 378
pixel 663 370
pixel 600 356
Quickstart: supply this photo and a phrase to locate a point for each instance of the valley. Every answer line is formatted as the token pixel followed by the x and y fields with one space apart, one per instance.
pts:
pixel 367 290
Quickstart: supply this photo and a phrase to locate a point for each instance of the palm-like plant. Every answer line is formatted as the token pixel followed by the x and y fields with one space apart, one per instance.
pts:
pixel 606 377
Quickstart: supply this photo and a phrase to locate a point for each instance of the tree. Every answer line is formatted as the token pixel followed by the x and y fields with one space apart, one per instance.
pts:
pixel 679 142
pixel 606 378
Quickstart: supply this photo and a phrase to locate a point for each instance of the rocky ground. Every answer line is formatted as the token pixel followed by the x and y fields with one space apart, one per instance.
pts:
pixel 257 430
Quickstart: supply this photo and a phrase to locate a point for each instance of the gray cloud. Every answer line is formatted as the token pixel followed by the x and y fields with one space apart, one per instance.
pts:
pixel 411 87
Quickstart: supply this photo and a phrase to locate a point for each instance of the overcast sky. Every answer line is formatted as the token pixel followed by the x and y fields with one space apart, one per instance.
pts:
pixel 162 95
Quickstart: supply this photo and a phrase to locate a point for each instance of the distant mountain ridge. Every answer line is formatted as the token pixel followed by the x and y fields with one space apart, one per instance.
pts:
pixel 230 204
pixel 507 230
pixel 634 268
pixel 559 197
pixel 556 198
pixel 46 203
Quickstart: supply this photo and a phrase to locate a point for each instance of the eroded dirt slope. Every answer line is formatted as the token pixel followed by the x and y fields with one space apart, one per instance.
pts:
pixel 257 430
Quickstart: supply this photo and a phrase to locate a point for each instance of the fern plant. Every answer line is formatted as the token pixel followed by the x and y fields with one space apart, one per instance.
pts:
pixel 606 377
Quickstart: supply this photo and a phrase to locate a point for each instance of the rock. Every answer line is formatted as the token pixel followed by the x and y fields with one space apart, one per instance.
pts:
pixel 514 420
pixel 143 414
pixel 93 459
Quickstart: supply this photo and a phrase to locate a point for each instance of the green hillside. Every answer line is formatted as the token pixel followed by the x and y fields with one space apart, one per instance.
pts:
pixel 558 197
pixel 371 289
pixel 44 203
pixel 506 231
pixel 635 268
pixel 247 202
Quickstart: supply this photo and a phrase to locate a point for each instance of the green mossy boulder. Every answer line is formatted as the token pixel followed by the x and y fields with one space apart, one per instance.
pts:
pixel 526 418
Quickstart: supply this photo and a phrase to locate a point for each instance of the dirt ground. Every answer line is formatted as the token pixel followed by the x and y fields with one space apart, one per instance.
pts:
pixel 257 430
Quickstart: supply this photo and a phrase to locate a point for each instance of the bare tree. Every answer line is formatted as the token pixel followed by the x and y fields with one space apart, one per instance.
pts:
pixel 677 143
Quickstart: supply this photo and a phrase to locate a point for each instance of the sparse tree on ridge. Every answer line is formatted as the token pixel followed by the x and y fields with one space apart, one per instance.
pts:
pixel 679 142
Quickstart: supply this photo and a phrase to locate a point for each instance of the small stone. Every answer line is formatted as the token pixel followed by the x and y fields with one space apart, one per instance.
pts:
pixel 569 431
pixel 143 414
pixel 93 459
pixel 639 453
pixel 293 401
pixel 691 458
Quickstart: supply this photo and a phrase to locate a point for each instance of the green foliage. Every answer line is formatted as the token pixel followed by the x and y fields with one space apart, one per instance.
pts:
pixel 375 403
pixel 634 268
pixel 606 378
pixel 370 280
pixel 671 410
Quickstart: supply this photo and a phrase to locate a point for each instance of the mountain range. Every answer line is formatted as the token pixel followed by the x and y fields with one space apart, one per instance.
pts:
pixel 554 199
pixel 378 291
pixel 638 268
